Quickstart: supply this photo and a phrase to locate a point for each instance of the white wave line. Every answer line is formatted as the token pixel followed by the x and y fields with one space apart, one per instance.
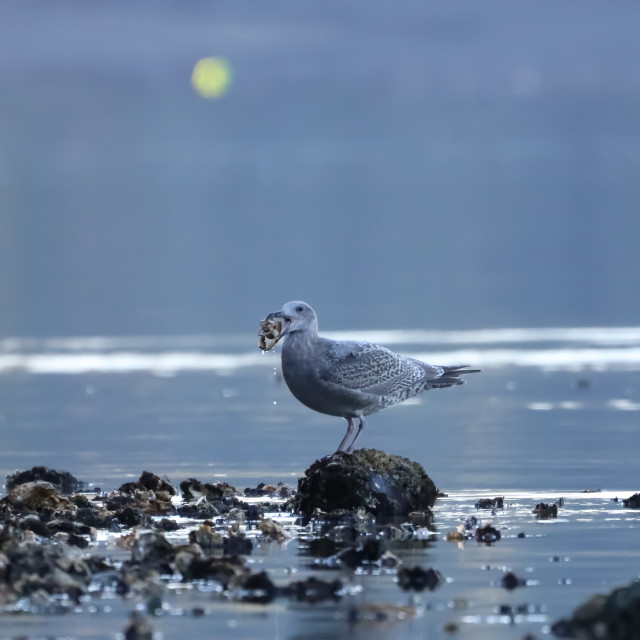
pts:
pixel 603 336
pixel 175 361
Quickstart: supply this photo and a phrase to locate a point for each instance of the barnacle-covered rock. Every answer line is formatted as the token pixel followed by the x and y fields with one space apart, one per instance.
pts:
pixel 381 483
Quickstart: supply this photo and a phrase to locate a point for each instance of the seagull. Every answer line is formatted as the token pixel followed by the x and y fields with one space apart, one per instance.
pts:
pixel 348 378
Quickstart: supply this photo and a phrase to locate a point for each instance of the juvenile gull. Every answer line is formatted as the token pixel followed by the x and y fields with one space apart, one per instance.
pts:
pixel 347 378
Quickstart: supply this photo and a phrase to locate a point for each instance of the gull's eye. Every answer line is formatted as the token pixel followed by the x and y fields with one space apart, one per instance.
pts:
pixel 299 308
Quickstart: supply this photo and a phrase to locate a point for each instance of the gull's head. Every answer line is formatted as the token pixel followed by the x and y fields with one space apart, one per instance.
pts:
pixel 296 316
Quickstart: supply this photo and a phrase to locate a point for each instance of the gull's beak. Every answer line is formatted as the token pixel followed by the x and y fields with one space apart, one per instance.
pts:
pixel 286 321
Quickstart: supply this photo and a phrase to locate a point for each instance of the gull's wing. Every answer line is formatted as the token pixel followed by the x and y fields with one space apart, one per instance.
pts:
pixel 374 369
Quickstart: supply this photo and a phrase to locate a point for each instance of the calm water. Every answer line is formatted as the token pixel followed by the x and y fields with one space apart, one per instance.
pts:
pixel 555 412
pixel 552 409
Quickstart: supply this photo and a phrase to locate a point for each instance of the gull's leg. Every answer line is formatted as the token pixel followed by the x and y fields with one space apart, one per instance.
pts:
pixel 362 424
pixel 346 436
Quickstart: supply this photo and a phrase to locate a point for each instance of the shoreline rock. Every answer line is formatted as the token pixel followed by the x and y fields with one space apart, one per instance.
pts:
pixel 381 483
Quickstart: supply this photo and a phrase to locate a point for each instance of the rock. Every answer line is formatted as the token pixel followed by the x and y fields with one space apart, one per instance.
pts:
pixel 63 481
pixel 254 587
pixel 54 569
pixel 33 523
pixel 67 526
pixel 155 483
pixel 383 484
pixel 193 489
pixel 261 490
pixel 207 538
pixel 544 510
pixel 237 544
pixel 313 590
pixel 148 482
pixel 421 518
pixel 166 524
pixel 455 536
pixel 487 534
pixel 511 581
pixel 632 502
pixel 253 512
pixel 200 511
pixel 36 496
pixel 271 530
pixel 368 553
pixel 616 615
pixel 139 628
pixel 380 612
pixel 321 547
pixel 152 549
pixel 94 516
pixel 490 503
pixel 193 566
pixel 132 517
pixel 419 579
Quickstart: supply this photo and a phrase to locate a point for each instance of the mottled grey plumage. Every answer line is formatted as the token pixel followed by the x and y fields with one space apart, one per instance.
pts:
pixel 348 378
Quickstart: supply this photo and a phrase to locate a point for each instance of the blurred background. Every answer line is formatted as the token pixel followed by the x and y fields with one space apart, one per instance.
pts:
pixel 182 168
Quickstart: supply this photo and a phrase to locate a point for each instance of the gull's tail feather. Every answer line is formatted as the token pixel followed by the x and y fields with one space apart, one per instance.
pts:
pixel 452 376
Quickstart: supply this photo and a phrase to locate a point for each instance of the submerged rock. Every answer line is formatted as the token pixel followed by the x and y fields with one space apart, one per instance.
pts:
pixel 313 590
pixel 380 612
pixel 257 588
pixel 383 484
pixel 419 579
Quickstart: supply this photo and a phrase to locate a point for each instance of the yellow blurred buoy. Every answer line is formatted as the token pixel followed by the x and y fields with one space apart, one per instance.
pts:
pixel 211 77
